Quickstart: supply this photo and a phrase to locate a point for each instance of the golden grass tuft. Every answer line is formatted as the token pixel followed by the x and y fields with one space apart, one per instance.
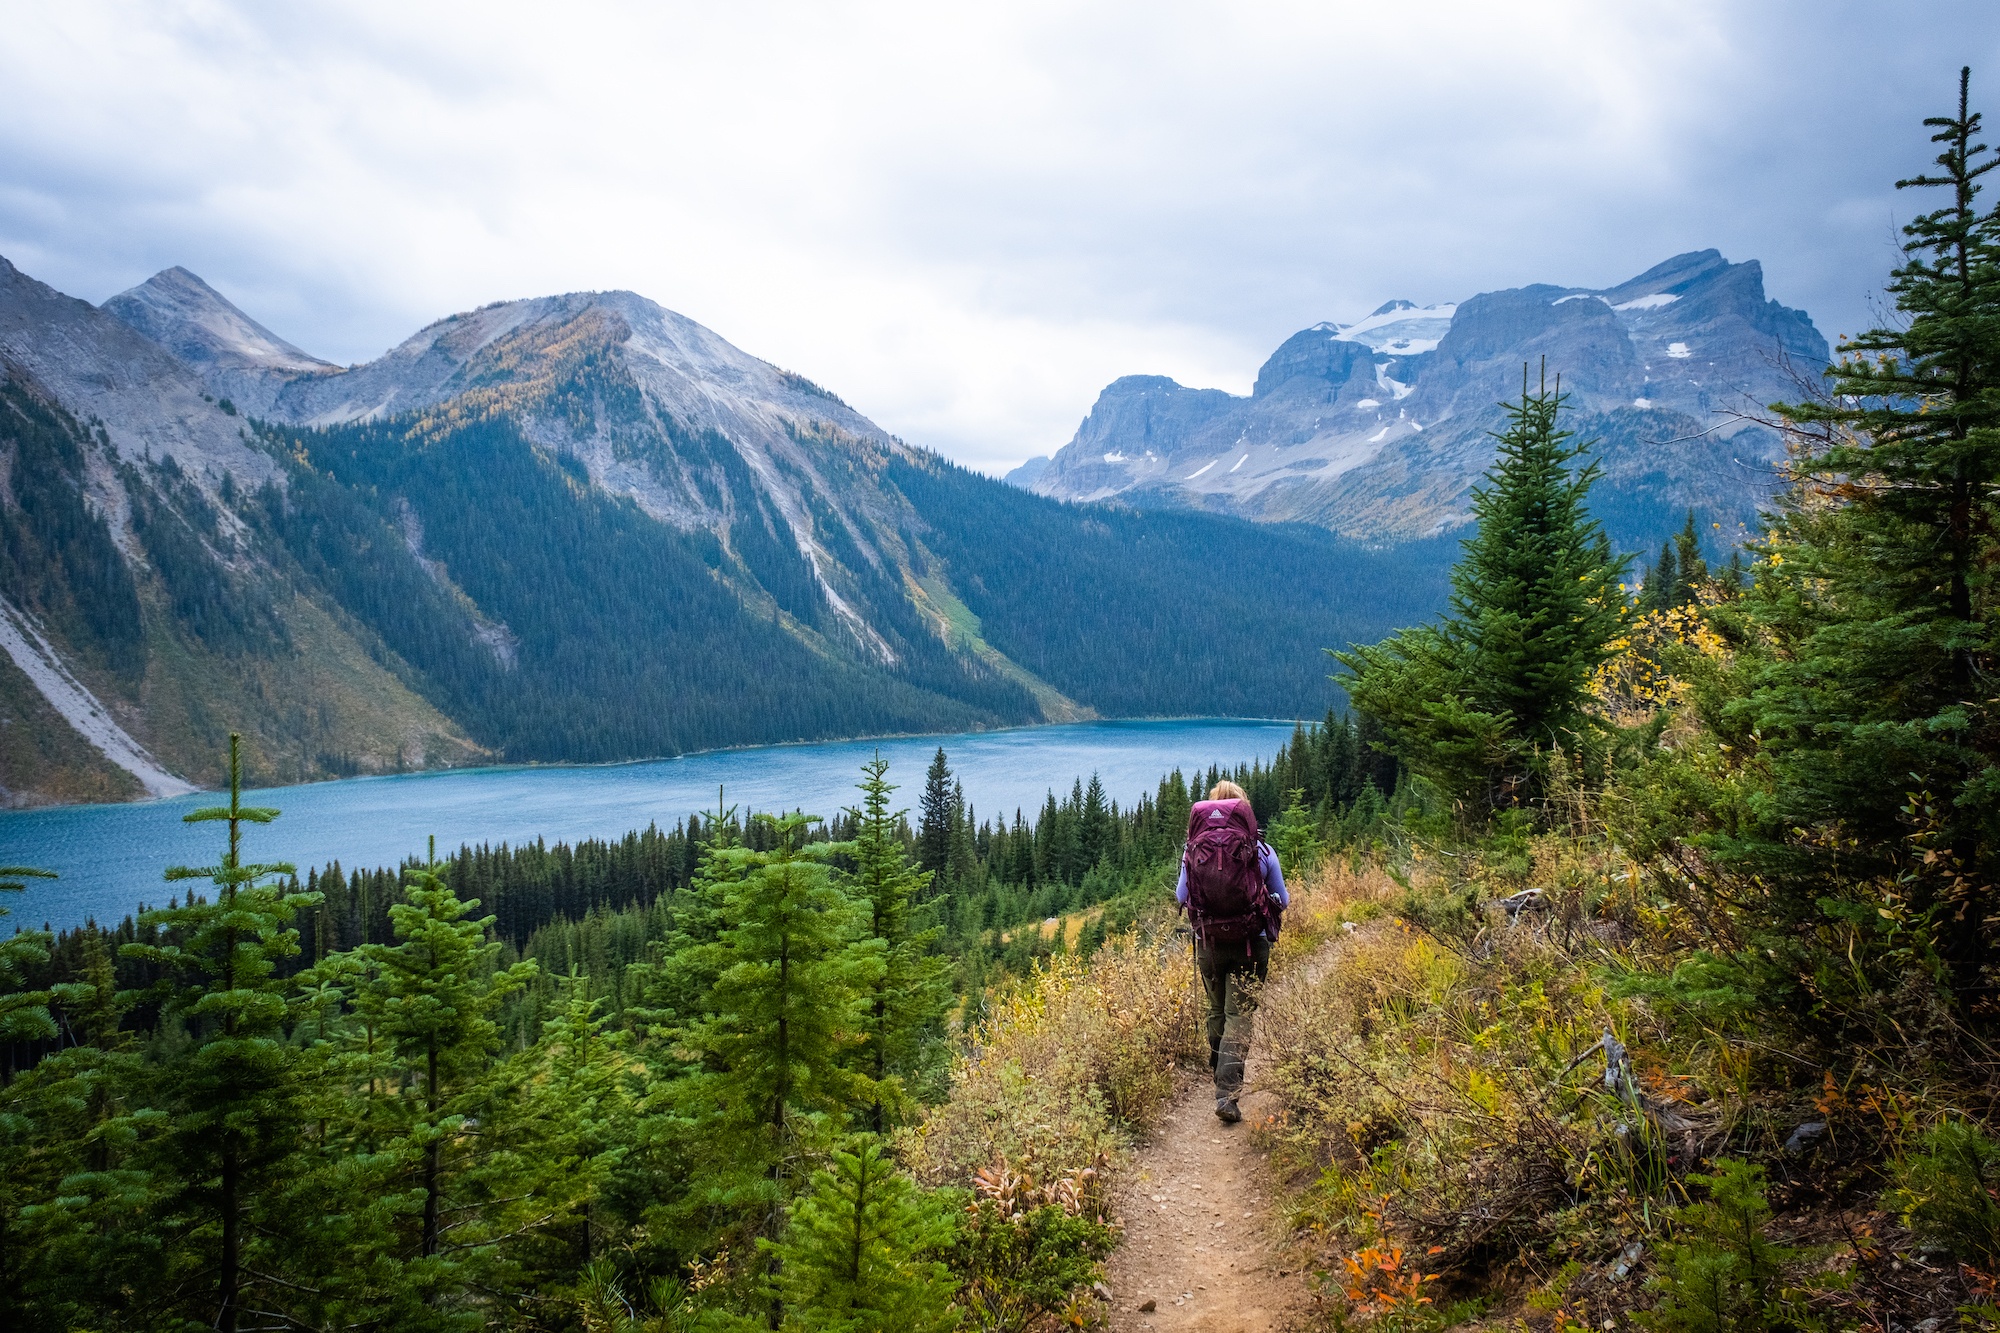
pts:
pixel 1066 1068
pixel 1439 1091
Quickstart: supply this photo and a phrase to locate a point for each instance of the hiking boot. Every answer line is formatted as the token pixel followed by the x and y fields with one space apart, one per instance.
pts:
pixel 1225 1110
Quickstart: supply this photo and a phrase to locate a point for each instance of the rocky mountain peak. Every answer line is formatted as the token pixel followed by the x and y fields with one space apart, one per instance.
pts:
pixel 99 368
pixel 1319 354
pixel 1673 275
pixel 202 327
pixel 1378 429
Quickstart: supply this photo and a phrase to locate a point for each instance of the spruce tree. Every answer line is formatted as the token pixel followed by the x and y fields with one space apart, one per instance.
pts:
pixel 1693 569
pixel 856 1253
pixel 1662 581
pixel 583 1116
pixel 237 1113
pixel 772 1077
pixel 1677 578
pixel 1915 410
pixel 961 863
pixel 1294 835
pixel 73 1206
pixel 433 995
pixel 934 826
pixel 1873 705
pixel 24 1017
pixel 1096 835
pixel 673 984
pixel 903 1010
pixel 24 1014
pixel 1474 702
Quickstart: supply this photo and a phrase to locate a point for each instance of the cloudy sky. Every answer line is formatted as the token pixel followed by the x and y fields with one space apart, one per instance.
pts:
pixel 965 219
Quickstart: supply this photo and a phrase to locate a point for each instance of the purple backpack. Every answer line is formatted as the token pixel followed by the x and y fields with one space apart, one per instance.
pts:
pixel 1227 900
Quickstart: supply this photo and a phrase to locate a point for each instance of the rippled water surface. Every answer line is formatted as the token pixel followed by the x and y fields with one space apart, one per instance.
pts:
pixel 110 857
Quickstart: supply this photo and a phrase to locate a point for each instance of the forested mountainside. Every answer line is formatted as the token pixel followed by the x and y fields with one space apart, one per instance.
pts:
pixel 1378 430
pixel 1204 614
pixel 572 528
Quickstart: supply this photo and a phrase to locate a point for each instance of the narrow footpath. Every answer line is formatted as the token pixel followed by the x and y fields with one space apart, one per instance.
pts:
pixel 1204 1246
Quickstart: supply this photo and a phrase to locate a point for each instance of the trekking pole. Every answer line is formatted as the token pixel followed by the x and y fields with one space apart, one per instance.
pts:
pixel 1200 998
pixel 1195 999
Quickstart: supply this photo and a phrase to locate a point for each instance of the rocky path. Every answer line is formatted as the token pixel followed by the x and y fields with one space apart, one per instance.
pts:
pixel 1203 1245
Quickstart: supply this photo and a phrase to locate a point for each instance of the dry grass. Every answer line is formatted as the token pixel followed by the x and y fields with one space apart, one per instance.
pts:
pixel 1445 1092
pixel 1454 1151
pixel 1327 900
pixel 1066 1068
pixel 1444 1110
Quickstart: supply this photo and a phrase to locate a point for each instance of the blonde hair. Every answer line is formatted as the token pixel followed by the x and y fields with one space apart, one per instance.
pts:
pixel 1226 790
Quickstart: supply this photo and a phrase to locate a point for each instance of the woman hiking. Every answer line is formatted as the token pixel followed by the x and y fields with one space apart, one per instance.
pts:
pixel 1234 892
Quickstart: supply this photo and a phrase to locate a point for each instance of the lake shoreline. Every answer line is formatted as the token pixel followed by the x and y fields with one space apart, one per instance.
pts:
pixel 544 764
pixel 110 856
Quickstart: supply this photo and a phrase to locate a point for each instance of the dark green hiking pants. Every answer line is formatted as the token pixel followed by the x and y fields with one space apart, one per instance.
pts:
pixel 1225 969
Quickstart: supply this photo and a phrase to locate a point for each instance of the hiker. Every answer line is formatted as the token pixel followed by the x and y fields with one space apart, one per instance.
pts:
pixel 1234 892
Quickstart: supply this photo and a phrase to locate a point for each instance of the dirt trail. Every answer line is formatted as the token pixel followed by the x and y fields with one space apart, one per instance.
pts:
pixel 1203 1241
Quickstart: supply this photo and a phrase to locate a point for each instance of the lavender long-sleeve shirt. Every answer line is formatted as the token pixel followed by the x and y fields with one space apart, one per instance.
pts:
pixel 1267 861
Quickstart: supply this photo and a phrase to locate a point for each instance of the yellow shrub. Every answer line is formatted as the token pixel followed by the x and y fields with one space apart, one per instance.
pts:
pixel 1415 1079
pixel 1065 1067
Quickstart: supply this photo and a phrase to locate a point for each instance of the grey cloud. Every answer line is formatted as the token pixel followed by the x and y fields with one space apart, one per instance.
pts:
pixel 966 221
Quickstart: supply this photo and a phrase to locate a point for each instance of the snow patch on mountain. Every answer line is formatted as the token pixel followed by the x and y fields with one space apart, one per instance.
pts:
pixel 1313 443
pixel 1400 328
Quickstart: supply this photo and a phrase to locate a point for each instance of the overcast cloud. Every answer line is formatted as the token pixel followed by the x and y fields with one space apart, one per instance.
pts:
pixel 964 219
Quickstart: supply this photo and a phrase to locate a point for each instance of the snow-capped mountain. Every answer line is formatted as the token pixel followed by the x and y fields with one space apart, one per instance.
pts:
pixel 1378 429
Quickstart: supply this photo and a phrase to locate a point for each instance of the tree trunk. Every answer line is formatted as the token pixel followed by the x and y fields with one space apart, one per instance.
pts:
pixel 431 1155
pixel 232 1246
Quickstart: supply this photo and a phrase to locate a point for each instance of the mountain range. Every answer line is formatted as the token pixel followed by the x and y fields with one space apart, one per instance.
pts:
pixel 571 528
pixel 1379 429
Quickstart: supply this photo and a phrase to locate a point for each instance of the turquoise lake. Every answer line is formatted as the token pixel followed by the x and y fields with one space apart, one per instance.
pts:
pixel 111 857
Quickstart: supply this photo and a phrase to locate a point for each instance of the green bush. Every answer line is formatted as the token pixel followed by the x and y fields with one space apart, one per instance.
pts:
pixel 1946 1192
pixel 858 1255
pixel 1017 1266
pixel 1448 911
pixel 1720 1273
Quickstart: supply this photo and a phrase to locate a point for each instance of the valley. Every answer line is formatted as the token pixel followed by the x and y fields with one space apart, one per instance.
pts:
pixel 570 529
pixel 583 528
pixel 110 856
